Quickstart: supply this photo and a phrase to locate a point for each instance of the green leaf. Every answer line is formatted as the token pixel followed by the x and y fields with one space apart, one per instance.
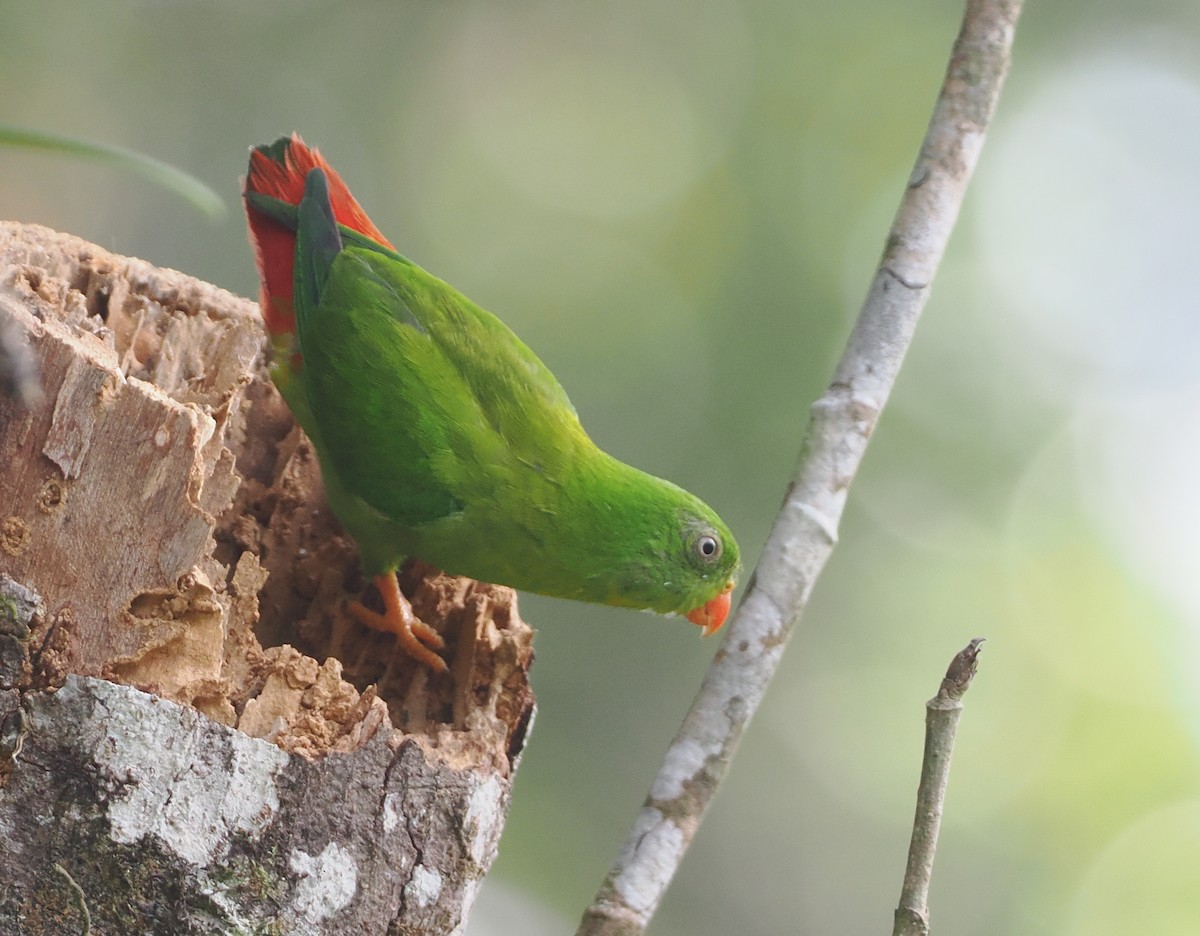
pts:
pixel 169 177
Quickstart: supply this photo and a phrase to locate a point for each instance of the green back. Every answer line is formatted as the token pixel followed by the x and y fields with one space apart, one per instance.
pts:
pixel 413 386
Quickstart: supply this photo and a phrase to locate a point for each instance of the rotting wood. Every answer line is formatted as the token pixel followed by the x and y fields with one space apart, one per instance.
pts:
pixel 165 518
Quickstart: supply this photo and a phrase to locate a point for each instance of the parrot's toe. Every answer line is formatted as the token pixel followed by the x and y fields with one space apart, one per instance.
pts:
pixel 418 639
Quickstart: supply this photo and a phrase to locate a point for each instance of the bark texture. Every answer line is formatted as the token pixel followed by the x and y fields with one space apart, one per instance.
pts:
pixel 194 736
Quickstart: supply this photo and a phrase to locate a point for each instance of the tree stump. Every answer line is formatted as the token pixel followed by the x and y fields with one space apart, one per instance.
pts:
pixel 194 735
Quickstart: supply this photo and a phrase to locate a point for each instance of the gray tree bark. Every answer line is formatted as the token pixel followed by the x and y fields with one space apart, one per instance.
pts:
pixel 194 736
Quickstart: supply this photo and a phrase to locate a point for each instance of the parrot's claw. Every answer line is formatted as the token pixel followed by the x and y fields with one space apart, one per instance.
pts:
pixel 417 638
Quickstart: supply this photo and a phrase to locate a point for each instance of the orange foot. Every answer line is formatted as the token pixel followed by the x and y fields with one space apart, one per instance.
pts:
pixel 415 636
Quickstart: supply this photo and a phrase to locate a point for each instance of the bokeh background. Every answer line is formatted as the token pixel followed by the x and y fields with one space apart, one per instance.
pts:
pixel 679 206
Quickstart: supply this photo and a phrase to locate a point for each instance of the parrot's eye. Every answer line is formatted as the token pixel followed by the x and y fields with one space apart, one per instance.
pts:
pixel 708 548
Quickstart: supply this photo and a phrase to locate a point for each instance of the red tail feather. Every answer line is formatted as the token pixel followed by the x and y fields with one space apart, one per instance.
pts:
pixel 274 244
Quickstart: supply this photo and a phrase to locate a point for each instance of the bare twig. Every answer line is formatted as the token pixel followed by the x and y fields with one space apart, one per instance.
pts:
pixel 941 723
pixel 840 425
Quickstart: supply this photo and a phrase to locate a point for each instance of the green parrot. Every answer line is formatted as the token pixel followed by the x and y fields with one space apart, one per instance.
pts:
pixel 442 436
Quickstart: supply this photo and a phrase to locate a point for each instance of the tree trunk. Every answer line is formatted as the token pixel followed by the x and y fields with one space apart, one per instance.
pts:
pixel 173 756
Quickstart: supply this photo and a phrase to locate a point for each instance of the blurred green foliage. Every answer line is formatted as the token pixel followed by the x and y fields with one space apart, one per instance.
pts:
pixel 679 207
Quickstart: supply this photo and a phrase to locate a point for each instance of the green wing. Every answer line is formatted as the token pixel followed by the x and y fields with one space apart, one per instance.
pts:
pixel 422 401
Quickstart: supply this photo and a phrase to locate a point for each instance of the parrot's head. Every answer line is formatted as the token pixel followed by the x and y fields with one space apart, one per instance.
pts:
pixel 690 568
pixel 711 556
pixel 629 539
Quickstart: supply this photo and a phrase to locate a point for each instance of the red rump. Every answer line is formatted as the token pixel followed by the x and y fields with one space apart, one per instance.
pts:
pixel 274 244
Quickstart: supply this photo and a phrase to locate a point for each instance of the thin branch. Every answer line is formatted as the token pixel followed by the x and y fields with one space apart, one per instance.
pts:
pixel 805 532
pixel 941 723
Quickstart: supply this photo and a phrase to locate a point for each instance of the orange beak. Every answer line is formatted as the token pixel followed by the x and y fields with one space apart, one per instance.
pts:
pixel 712 616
